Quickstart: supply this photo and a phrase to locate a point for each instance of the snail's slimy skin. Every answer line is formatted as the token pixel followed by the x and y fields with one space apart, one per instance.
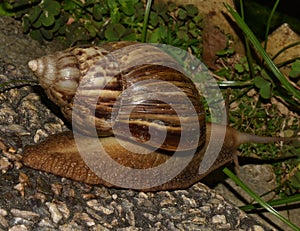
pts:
pixel 59 155
pixel 61 74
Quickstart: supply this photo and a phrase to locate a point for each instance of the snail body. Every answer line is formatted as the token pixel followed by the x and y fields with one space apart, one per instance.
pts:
pixel 114 96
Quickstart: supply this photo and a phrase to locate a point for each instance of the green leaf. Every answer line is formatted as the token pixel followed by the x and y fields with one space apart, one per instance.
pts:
pixel 47 19
pixel 160 7
pixel 295 72
pixel 59 23
pixel 171 6
pixel 112 4
pixel 154 36
pixel 295 180
pixel 36 34
pixel 182 34
pixel 69 5
pixel 34 14
pixel 91 29
pixel 26 25
pixel 197 19
pixel 239 68
pixel 129 35
pixel 259 81
pixel 97 12
pixel 182 14
pixel 195 32
pixel 265 87
pixel 153 19
pixel 127 6
pixel 6 9
pixel 47 34
pixel 62 30
pixel 115 15
pixel 191 10
pixel 114 32
pixel 52 7
pixel 37 24
pixel 266 91
pixel 296 65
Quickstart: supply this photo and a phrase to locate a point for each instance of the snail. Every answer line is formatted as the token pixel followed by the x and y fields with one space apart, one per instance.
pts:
pixel 109 94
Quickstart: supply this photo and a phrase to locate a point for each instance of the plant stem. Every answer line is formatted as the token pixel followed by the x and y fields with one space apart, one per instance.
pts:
pixel 269 23
pixel 146 18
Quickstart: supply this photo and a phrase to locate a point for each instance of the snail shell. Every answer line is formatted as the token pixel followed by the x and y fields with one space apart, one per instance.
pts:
pixel 98 73
pixel 112 85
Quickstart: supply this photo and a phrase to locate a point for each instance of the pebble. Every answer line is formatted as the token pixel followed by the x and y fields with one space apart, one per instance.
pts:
pixel 25 214
pixel 94 204
pixel 55 213
pixel 5 164
pixel 3 222
pixel 18 228
pixel 85 218
pixel 220 219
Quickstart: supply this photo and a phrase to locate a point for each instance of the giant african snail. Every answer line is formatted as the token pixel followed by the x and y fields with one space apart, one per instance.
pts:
pixel 95 70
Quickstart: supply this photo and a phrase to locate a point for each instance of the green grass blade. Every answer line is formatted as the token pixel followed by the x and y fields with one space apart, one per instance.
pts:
pixel 269 23
pixel 278 202
pixel 146 19
pixel 277 73
pixel 285 48
pixel 258 199
pixel 247 45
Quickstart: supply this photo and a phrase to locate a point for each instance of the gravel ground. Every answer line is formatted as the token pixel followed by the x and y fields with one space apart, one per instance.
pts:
pixel 33 200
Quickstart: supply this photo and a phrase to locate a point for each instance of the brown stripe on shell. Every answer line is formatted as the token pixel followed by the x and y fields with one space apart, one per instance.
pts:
pixel 140 112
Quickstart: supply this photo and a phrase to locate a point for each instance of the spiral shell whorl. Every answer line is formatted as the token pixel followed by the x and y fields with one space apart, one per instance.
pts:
pixel 95 69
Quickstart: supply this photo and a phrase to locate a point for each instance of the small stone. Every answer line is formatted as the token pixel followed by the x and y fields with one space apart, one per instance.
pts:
pixel 55 214
pixel 70 227
pixel 20 220
pixel 3 212
pixel 189 201
pixel 85 218
pixel 149 216
pixel 199 220
pixel 25 214
pixel 40 196
pixel 88 196
pixel 21 188
pixel 205 208
pixel 18 228
pixel 99 227
pixel 219 219
pixel 143 195
pixel 18 165
pixel 130 218
pixel 39 135
pixel 257 228
pixel 46 222
pixel 62 207
pixel 23 178
pixel 3 222
pixel 114 196
pixel 5 164
pixel 94 204
pixel 56 188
